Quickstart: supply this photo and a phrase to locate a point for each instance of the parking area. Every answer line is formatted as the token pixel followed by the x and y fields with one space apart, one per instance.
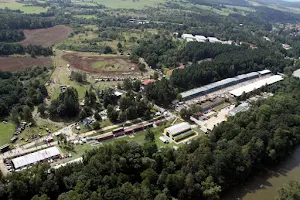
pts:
pixel 212 118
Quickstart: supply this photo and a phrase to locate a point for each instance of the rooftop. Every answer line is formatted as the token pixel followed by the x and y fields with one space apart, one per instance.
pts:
pixel 258 84
pixel 35 157
pixel 178 128
pixel 146 82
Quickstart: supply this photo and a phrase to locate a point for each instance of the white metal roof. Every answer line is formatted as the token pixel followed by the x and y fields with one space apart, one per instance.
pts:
pixel 200 38
pixel 258 84
pixel 184 36
pixel 213 39
pixel 35 157
pixel 178 128
pixel 266 71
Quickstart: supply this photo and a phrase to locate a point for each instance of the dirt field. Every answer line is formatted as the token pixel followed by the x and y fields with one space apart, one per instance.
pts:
pixel 13 64
pixel 46 37
pixel 101 64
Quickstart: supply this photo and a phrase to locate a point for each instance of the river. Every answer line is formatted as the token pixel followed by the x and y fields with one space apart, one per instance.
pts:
pixel 264 187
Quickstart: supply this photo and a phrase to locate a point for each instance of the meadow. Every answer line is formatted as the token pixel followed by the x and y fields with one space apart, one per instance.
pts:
pixel 22 7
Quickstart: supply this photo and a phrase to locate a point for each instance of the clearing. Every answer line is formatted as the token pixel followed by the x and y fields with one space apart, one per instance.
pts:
pixel 46 37
pixel 104 64
pixel 28 9
pixel 13 64
pixel 6 132
pixel 129 4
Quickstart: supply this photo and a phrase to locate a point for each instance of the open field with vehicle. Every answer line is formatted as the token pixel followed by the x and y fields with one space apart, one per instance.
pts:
pixel 13 64
pixel 46 37
pixel 106 64
pixel 28 9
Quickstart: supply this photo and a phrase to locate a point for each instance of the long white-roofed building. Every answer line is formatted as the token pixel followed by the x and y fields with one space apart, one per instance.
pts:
pixel 256 85
pixel 35 157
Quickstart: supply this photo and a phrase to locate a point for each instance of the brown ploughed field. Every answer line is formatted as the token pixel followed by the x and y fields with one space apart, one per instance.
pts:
pixel 46 37
pixel 13 64
pixel 104 64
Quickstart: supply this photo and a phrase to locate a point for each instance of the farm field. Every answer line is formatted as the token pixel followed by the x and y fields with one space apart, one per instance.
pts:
pixel 6 132
pixel 46 37
pixel 106 64
pixel 22 7
pixel 134 4
pixel 13 64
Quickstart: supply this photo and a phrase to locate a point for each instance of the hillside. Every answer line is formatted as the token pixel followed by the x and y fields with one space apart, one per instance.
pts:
pixel 227 2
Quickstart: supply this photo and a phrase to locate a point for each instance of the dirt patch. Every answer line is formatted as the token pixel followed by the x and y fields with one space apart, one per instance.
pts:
pixel 13 64
pixel 101 64
pixel 46 37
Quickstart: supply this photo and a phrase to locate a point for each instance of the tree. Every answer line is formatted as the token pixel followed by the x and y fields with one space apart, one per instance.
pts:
pixel 96 126
pixel 127 84
pixel 14 116
pixel 149 136
pixel 119 45
pixel 112 114
pixel 185 113
pixel 42 108
pixel 155 75
pixel 98 116
pixel 43 197
pixel 27 115
pixel 179 97
pixel 136 85
pixel 211 190
pixel 291 191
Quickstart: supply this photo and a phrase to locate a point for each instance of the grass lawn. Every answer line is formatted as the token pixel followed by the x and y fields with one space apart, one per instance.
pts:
pixel 107 66
pixel 6 132
pixel 134 4
pixel 26 9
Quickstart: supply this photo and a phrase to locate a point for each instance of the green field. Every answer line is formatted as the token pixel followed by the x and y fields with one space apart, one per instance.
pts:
pixel 134 4
pixel 23 7
pixel 6 132
pixel 103 64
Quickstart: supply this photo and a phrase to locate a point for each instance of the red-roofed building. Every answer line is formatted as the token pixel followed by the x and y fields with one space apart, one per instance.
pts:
pixel 146 82
pixel 180 67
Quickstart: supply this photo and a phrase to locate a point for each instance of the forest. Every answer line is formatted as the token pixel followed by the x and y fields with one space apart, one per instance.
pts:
pixel 203 169
pixel 24 88
pixel 33 50
pixel 13 24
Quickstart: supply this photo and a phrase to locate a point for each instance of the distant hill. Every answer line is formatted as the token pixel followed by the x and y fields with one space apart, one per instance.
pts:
pixel 278 3
pixel 218 2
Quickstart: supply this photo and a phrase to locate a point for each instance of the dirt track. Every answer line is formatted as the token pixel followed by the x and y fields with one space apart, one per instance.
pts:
pixel 46 37
pixel 13 64
pixel 85 63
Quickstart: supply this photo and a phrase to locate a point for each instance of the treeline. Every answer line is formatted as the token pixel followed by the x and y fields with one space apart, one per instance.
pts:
pixel 87 48
pixel 22 88
pixel 15 48
pixel 158 51
pixel 12 25
pixel 227 64
pixel 202 169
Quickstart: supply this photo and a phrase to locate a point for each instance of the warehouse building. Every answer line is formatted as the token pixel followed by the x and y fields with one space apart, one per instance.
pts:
pixel 179 131
pixel 190 94
pixel 35 157
pixel 240 108
pixel 256 85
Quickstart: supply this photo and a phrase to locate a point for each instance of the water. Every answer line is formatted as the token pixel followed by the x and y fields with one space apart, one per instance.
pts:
pixel 264 186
